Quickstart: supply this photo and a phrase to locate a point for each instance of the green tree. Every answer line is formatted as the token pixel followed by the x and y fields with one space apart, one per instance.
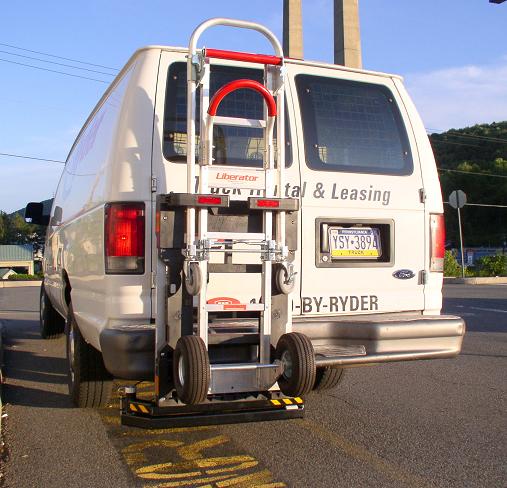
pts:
pixel 14 230
pixel 451 265
pixel 492 265
pixel 477 149
pixel 3 227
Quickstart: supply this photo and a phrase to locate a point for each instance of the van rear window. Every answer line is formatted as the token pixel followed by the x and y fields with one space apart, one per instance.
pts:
pixel 235 146
pixel 352 127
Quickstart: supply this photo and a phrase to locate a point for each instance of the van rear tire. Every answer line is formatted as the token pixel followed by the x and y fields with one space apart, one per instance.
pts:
pixel 295 351
pixel 52 324
pixel 90 384
pixel 327 378
pixel 191 370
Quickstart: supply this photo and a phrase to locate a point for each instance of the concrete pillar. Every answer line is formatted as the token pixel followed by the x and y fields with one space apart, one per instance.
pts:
pixel 292 29
pixel 347 38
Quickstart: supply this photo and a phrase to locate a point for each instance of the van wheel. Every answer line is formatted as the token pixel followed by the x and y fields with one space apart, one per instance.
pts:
pixel 327 378
pixel 52 324
pixel 191 370
pixel 193 279
pixel 90 384
pixel 296 353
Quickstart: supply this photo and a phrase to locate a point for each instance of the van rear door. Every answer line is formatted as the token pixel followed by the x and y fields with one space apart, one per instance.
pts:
pixel 363 225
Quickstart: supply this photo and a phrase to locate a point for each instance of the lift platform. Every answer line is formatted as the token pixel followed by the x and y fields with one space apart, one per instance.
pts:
pixel 137 412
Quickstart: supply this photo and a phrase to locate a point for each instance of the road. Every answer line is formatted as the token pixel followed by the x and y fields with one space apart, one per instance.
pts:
pixel 423 424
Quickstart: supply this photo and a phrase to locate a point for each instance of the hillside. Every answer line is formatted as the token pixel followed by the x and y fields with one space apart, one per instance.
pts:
pixel 476 149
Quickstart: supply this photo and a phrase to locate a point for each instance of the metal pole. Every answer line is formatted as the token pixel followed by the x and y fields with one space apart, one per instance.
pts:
pixel 461 245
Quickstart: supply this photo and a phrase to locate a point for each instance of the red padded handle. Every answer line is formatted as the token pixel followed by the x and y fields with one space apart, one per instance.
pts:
pixel 246 57
pixel 237 85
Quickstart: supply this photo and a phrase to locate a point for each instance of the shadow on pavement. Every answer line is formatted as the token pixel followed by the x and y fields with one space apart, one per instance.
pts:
pixel 34 379
pixel 33 397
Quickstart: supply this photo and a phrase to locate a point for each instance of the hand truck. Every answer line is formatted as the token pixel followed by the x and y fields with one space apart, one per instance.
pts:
pixel 194 381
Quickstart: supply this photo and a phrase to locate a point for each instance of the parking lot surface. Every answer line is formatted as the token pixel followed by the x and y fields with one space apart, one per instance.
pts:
pixel 439 423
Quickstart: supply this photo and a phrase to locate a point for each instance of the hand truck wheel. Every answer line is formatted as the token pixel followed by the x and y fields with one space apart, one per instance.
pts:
pixel 282 280
pixel 191 370
pixel 295 351
pixel 193 279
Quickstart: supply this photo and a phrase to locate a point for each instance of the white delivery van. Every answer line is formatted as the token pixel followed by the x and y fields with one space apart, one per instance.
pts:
pixel 296 232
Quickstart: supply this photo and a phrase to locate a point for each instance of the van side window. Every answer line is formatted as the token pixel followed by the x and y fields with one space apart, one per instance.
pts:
pixel 235 146
pixel 352 127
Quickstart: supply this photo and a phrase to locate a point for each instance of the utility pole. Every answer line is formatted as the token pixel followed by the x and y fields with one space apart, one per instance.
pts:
pixel 347 38
pixel 292 29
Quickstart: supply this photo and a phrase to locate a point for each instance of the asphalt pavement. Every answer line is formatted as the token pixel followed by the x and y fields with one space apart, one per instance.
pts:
pixel 439 423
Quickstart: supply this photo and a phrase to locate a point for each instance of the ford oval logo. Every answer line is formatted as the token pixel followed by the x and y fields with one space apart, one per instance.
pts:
pixel 404 274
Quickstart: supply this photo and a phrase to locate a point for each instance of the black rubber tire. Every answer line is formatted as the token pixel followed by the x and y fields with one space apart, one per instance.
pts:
pixel 52 324
pixel 193 280
pixel 327 378
pixel 191 370
pixel 90 384
pixel 300 378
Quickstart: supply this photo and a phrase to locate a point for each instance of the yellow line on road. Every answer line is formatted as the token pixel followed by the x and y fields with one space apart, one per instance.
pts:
pixel 360 453
pixel 193 451
pixel 257 480
pixel 175 430
pixel 135 453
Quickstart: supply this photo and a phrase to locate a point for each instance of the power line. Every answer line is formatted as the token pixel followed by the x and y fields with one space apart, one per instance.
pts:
pixel 471 173
pixel 31 157
pixel 454 143
pixel 54 71
pixel 470 136
pixel 59 64
pixel 480 205
pixel 58 57
pixel 485 205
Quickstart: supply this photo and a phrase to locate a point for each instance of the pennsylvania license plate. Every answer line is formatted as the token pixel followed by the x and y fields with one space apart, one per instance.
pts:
pixel 354 242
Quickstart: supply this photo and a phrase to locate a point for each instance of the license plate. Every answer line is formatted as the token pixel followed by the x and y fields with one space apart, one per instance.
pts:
pixel 354 242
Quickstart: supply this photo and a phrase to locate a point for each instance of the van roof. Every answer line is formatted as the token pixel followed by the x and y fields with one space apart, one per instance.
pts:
pixel 302 62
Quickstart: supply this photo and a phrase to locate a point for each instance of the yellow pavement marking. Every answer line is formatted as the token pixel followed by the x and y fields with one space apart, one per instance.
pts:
pixel 250 481
pixel 174 470
pixel 193 451
pixel 194 482
pixel 194 469
pixel 360 453
pixel 110 419
pixel 135 453
pixel 175 430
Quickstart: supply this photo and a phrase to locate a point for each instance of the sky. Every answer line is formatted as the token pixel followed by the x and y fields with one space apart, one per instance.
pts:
pixel 452 55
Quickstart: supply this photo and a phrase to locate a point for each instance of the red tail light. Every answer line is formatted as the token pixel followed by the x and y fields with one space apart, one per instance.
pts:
pixel 124 238
pixel 437 242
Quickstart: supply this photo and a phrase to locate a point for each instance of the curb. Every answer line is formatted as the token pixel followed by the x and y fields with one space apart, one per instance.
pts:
pixel 17 284
pixel 494 280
